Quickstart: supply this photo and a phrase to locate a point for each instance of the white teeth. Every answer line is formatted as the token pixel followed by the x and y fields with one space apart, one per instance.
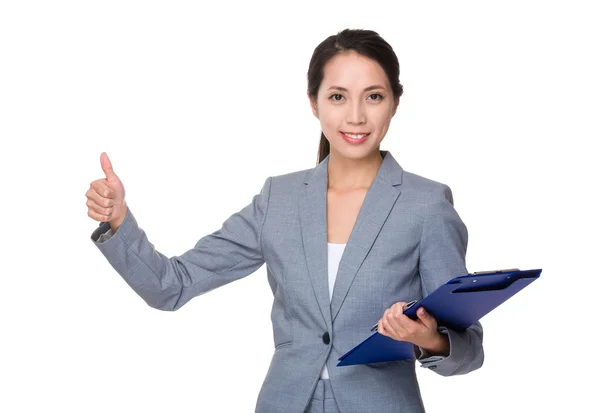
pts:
pixel 355 136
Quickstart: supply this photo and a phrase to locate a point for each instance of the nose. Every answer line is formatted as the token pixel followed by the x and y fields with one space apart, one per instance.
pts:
pixel 356 116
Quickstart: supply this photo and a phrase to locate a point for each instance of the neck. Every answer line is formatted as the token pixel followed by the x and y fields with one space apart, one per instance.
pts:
pixel 349 174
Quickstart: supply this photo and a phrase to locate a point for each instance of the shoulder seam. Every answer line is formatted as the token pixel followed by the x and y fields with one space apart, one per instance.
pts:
pixel 270 180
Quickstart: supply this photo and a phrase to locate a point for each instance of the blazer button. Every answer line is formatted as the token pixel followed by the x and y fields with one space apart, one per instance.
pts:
pixel 326 338
pixel 432 367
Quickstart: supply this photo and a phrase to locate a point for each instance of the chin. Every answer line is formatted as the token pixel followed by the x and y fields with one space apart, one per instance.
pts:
pixel 358 152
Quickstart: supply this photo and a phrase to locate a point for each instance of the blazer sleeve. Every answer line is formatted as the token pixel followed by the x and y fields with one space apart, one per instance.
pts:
pixel 228 254
pixel 443 249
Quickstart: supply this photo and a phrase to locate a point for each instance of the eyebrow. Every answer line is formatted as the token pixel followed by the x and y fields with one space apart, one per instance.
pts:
pixel 366 89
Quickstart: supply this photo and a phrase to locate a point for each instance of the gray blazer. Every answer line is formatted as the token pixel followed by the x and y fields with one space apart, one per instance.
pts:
pixel 407 240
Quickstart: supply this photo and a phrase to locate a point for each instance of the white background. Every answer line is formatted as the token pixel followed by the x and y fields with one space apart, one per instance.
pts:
pixel 501 103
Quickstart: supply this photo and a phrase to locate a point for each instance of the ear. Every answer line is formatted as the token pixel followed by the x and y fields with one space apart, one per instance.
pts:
pixel 313 105
pixel 396 103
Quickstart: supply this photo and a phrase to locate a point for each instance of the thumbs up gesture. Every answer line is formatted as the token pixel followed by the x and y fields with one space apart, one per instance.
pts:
pixel 106 197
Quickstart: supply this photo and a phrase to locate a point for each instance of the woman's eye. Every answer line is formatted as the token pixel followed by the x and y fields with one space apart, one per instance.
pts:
pixel 377 94
pixel 335 94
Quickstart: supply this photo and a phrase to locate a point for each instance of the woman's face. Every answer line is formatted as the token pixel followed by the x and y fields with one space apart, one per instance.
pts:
pixel 354 97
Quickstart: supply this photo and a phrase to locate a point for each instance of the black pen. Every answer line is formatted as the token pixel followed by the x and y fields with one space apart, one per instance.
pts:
pixel 406 307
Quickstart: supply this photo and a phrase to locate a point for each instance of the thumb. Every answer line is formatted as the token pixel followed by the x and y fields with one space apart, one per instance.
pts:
pixel 427 318
pixel 423 314
pixel 107 166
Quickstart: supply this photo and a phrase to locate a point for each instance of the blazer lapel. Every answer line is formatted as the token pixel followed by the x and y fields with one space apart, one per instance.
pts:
pixel 379 200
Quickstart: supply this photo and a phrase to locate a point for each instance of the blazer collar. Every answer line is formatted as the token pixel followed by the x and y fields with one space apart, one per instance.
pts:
pixel 312 203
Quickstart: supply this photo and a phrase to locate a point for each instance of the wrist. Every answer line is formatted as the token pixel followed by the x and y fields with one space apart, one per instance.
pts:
pixel 115 224
pixel 440 346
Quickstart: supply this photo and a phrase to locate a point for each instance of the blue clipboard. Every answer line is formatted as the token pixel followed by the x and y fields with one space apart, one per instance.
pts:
pixel 458 304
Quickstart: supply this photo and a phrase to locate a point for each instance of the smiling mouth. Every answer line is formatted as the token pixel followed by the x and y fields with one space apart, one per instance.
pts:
pixel 355 135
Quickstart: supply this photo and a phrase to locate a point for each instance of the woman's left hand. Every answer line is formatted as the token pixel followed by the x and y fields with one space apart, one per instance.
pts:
pixel 421 332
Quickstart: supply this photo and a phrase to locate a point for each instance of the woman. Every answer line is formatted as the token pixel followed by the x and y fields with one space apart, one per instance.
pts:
pixel 347 243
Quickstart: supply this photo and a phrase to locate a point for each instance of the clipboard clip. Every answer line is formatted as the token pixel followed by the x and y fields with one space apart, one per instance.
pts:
pixel 406 307
pixel 495 271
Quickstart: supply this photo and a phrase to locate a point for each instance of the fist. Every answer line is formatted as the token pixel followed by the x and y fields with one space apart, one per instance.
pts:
pixel 421 332
pixel 106 196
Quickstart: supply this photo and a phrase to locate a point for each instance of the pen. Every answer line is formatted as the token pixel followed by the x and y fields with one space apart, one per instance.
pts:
pixel 406 307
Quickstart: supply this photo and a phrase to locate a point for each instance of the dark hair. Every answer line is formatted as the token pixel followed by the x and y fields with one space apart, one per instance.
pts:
pixel 365 42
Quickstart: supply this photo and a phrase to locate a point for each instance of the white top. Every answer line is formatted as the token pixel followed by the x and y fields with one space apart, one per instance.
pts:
pixel 334 255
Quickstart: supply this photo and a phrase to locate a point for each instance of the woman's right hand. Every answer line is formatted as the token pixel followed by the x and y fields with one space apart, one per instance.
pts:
pixel 106 197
